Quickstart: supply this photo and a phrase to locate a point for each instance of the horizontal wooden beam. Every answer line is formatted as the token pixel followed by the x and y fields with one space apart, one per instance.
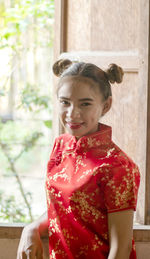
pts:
pixel 141 233
pixel 129 60
pixel 13 231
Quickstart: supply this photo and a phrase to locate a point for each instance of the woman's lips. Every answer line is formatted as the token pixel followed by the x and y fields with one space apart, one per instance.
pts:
pixel 74 125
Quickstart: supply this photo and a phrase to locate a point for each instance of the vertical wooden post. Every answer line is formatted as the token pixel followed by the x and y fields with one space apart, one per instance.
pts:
pixel 147 191
pixel 60 28
pixel 60 45
pixel 64 21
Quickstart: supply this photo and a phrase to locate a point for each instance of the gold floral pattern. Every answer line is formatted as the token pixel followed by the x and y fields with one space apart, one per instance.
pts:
pixel 87 179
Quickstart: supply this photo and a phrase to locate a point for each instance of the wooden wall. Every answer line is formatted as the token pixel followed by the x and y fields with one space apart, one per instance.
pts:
pixel 104 32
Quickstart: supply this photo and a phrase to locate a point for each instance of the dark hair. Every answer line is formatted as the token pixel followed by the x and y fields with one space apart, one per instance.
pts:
pixel 66 68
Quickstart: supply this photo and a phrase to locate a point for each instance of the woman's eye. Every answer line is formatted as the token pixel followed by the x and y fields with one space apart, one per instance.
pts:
pixel 86 104
pixel 64 102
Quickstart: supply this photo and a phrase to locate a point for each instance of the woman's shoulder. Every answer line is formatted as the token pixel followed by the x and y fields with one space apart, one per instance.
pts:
pixel 122 159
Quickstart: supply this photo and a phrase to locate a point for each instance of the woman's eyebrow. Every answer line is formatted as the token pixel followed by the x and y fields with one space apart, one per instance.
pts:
pixel 86 99
pixel 62 97
pixel 81 100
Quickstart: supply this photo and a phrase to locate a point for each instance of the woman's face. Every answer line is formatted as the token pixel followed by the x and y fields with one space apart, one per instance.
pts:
pixel 80 106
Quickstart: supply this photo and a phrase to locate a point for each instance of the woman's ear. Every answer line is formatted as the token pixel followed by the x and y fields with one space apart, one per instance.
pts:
pixel 107 105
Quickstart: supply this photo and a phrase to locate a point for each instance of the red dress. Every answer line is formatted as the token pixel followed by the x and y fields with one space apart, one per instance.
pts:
pixel 87 179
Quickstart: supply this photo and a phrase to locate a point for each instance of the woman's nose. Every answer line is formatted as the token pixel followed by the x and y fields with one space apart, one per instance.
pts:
pixel 73 112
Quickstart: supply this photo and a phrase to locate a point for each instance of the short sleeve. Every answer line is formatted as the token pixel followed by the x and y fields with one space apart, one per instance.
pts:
pixel 121 188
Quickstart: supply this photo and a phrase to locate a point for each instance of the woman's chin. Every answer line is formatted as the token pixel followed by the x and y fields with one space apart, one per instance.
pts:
pixel 74 132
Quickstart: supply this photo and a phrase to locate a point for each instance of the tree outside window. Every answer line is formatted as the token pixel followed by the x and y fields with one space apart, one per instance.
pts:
pixel 26 43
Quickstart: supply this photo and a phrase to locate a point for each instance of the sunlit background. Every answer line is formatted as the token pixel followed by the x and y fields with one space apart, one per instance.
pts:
pixel 26 47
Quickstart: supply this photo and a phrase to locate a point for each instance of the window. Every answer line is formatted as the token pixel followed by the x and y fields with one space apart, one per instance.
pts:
pixel 26 49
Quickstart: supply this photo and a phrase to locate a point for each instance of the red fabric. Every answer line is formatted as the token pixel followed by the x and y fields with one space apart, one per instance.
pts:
pixel 87 179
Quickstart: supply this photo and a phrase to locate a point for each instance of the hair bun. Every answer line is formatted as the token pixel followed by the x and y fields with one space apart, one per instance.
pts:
pixel 114 73
pixel 61 65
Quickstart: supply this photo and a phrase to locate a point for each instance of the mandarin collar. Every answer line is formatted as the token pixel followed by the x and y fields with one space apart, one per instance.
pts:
pixel 99 138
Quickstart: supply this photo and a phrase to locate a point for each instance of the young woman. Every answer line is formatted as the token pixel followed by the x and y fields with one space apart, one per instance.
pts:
pixel 91 184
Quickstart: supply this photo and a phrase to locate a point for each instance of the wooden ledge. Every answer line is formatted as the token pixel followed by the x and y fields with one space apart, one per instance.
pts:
pixel 141 233
pixel 13 231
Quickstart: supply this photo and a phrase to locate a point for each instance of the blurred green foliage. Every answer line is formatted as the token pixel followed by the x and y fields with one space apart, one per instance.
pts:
pixel 17 139
pixel 15 21
pixel 11 210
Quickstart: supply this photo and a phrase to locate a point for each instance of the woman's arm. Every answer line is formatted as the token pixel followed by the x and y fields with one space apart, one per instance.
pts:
pixel 30 246
pixel 120 227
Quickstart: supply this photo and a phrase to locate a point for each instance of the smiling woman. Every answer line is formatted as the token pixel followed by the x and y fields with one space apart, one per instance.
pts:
pixel 85 81
pixel 91 184
pixel 81 106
